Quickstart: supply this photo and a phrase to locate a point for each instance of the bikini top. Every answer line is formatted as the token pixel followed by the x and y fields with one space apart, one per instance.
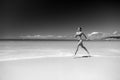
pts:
pixel 79 33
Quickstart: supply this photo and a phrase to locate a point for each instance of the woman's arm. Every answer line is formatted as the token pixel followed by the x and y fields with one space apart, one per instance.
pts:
pixel 75 36
pixel 85 36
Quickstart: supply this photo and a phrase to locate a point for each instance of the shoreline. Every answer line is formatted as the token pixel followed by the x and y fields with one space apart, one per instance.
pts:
pixel 57 57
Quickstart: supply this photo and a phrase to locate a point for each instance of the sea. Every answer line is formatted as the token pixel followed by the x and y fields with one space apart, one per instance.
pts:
pixel 18 50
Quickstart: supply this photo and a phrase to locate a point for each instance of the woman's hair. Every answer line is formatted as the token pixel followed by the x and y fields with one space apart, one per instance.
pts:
pixel 79 28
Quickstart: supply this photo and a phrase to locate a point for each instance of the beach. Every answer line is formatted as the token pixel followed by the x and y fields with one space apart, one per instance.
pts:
pixel 39 38
pixel 67 68
pixel 57 62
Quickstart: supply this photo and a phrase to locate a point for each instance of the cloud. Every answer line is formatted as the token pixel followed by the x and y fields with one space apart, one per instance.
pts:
pixel 116 33
pixel 59 36
pixel 43 37
pixel 37 36
pixel 98 35
pixel 93 33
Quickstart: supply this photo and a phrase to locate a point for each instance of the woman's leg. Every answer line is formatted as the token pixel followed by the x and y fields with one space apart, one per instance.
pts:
pixel 77 47
pixel 85 48
pixel 76 50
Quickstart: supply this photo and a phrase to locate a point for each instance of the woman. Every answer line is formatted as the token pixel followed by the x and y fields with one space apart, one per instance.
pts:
pixel 79 34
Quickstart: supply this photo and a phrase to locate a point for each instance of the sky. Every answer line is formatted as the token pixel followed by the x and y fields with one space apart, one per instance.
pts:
pixel 46 18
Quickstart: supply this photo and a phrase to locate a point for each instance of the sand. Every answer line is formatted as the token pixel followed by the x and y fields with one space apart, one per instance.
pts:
pixel 61 68
pixel 23 61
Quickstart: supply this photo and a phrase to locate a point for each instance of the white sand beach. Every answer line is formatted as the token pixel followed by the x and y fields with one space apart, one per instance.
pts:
pixel 66 68
pixel 38 61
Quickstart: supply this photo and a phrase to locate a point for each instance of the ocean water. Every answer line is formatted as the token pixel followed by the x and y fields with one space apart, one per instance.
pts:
pixel 17 50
